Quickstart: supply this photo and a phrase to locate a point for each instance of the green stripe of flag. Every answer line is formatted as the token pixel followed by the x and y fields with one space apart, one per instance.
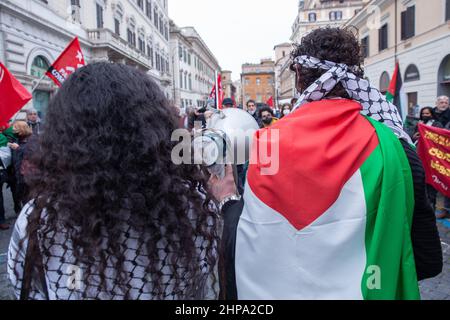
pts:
pixel 390 270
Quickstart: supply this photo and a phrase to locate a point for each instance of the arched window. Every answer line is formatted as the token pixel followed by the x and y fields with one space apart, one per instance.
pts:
pixel 444 77
pixel 118 17
pixel 446 70
pixel 131 32
pixel 384 82
pixel 412 73
pixel 39 66
pixel 141 40
pixel 75 10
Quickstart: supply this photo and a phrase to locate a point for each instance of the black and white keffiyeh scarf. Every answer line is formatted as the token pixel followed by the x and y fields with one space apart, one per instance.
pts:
pixel 373 102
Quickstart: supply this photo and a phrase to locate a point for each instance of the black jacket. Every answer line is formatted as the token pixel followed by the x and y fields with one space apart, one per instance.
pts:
pixel 424 234
pixel 442 117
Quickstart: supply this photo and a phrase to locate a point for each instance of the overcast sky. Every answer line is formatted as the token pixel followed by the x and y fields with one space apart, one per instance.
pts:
pixel 237 31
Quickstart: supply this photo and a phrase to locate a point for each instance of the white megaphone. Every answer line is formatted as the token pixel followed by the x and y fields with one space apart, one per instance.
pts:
pixel 226 139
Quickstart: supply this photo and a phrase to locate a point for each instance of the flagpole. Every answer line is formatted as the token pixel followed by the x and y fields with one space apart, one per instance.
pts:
pixel 396 30
pixel 38 83
pixel 217 89
pixel 32 90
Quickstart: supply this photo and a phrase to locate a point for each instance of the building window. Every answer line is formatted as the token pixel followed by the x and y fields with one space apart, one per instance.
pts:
pixel 166 31
pixel 189 59
pixel 180 52
pixel 141 44
pixel 99 16
pixel 140 4
pixel 150 53
pixel 247 81
pixel 131 37
pixel 447 10
pixel 155 18
pixel 384 82
pixel 117 26
pixel 75 9
pixel 39 67
pixel 148 9
pixel 312 17
pixel 383 38
pixel 190 82
pixel 158 62
pixel 365 47
pixel 258 81
pixel 408 22
pixel 412 73
pixel 185 80
pixel 181 79
pixel 444 77
pixel 335 15
pixel 161 25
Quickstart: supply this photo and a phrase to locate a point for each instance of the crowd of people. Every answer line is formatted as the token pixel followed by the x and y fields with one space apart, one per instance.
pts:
pixel 108 215
pixel 15 151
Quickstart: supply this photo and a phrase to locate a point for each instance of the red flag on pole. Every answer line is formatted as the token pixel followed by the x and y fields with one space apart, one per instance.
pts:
pixel 13 95
pixel 70 60
pixel 217 96
pixel 270 102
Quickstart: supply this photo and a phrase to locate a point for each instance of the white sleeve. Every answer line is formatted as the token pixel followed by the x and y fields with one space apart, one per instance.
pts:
pixel 17 252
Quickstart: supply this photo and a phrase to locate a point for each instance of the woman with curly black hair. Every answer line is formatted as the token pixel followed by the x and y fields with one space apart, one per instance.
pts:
pixel 113 217
pixel 345 215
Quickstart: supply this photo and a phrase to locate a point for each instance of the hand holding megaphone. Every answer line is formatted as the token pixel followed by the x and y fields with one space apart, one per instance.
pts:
pixel 223 188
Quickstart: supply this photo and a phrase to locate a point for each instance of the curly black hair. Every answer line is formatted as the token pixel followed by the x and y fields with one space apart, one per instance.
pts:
pixel 104 158
pixel 338 45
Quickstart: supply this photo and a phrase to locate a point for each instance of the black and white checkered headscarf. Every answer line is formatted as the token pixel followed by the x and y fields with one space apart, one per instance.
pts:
pixel 374 103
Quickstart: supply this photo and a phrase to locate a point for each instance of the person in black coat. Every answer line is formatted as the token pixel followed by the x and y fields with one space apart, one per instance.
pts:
pixel 442 111
pixel 18 147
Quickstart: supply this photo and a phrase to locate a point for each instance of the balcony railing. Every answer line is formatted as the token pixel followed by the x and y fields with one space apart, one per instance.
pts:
pixel 107 38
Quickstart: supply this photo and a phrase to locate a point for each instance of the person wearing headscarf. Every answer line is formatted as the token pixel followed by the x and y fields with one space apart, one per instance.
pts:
pixel 341 212
pixel 34 121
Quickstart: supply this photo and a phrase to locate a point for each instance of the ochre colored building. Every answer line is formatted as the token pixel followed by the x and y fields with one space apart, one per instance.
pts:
pixel 258 81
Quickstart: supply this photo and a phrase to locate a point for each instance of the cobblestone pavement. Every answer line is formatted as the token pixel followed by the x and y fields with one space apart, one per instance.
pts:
pixel 437 288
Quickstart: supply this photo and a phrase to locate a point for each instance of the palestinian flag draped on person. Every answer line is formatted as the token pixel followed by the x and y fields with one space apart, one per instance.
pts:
pixel 334 221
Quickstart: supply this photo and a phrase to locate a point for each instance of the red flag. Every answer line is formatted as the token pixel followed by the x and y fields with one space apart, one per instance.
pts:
pixel 270 102
pixel 433 150
pixel 70 60
pixel 13 95
pixel 221 95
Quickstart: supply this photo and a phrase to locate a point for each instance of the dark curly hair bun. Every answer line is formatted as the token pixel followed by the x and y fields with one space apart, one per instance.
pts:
pixel 338 45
